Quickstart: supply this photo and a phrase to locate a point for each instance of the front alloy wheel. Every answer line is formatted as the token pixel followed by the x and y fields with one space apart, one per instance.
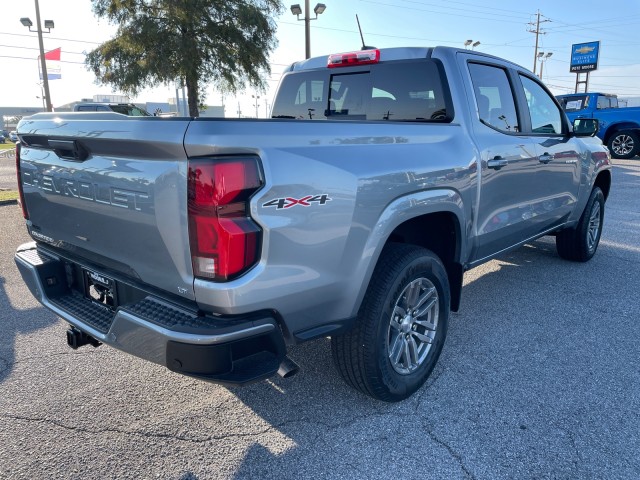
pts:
pixel 593 232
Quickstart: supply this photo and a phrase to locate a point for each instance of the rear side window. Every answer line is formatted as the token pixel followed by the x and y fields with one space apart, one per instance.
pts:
pixel 394 91
pixel 607 102
pixel 494 97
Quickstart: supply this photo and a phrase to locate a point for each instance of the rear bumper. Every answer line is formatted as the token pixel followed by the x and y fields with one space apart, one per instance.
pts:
pixel 228 350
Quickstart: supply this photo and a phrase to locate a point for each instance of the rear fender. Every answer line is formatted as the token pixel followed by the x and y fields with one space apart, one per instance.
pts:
pixel 403 210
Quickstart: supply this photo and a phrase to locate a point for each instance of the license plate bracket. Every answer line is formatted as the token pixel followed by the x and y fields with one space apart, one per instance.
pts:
pixel 100 288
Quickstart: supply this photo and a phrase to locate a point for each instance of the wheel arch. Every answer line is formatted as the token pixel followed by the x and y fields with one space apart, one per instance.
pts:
pixel 617 127
pixel 603 181
pixel 420 219
pixel 445 244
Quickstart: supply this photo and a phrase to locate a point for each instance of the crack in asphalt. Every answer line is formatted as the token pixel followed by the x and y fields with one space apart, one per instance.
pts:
pixel 281 427
pixel 5 365
pixel 455 455
pixel 134 433
pixel 578 458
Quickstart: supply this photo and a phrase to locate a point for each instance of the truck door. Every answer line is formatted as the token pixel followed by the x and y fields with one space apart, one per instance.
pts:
pixel 557 179
pixel 508 163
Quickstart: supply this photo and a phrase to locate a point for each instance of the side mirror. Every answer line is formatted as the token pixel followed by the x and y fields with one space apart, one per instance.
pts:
pixel 585 127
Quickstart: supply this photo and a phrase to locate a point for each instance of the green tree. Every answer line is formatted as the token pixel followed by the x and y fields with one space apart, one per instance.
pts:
pixel 202 42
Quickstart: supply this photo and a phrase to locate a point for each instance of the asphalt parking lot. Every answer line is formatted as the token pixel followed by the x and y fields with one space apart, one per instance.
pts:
pixel 539 378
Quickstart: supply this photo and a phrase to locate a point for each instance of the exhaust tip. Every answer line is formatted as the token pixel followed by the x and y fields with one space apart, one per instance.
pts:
pixel 288 368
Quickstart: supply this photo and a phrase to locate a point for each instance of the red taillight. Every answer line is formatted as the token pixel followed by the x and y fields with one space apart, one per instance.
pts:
pixel 364 57
pixel 224 239
pixel 23 205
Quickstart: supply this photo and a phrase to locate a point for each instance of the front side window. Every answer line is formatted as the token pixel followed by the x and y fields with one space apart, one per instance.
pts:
pixel 545 115
pixel 494 97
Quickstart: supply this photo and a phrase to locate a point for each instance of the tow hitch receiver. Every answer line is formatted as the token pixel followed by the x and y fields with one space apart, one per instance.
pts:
pixel 77 339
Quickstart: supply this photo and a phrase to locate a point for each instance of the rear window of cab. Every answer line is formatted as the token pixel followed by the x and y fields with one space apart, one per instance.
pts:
pixel 405 91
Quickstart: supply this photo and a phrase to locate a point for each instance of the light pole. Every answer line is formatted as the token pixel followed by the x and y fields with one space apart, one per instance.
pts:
pixel 297 11
pixel 543 57
pixel 42 96
pixel 48 24
pixel 472 43
pixel 257 103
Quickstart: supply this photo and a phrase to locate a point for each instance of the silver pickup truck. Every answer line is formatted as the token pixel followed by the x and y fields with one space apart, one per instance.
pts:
pixel 210 245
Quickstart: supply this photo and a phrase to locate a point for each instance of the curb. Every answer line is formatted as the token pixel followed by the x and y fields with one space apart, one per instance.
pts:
pixel 8 202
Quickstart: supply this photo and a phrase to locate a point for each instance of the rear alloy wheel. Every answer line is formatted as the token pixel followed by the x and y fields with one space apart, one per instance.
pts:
pixel 401 325
pixel 581 243
pixel 624 144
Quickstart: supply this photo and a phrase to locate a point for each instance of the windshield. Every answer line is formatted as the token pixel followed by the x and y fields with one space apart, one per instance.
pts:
pixel 130 110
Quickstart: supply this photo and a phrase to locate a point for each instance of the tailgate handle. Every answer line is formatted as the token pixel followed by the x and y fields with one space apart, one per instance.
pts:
pixel 69 149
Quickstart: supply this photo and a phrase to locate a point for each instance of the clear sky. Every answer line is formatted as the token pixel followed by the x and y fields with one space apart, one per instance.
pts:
pixel 501 27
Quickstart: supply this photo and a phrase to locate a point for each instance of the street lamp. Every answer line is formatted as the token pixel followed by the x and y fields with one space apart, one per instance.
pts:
pixel 48 24
pixel 472 43
pixel 257 104
pixel 297 11
pixel 543 57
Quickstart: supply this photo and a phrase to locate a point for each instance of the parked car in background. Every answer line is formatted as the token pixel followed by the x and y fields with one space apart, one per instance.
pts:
pixel 13 136
pixel 619 125
pixel 128 109
pixel 2 139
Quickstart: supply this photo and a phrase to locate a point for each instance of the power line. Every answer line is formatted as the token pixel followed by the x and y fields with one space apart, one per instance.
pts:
pixel 33 48
pixel 52 38
pixel 445 13
pixel 473 5
pixel 31 59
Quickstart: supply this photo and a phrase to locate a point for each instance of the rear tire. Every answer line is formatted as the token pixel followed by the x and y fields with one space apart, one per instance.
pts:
pixel 624 144
pixel 401 326
pixel 581 243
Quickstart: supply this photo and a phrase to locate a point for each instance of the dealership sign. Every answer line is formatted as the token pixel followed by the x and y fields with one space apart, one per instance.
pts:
pixel 584 56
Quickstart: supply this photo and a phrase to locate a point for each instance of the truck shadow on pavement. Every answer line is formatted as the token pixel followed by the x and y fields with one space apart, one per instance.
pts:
pixel 522 337
pixel 14 322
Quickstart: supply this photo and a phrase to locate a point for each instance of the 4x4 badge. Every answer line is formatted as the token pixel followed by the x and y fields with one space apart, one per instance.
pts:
pixel 289 202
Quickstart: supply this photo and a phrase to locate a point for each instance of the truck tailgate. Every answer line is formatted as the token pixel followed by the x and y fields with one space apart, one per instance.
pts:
pixel 112 192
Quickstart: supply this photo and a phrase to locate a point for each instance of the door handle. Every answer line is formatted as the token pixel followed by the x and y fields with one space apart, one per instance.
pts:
pixel 545 158
pixel 497 162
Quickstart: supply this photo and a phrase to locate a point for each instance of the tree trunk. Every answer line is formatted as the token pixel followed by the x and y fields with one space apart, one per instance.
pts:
pixel 193 95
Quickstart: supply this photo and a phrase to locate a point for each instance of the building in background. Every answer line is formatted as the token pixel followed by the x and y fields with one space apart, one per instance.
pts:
pixel 12 115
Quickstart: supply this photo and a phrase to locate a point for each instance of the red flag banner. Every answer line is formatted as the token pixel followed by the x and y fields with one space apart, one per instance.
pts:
pixel 52 58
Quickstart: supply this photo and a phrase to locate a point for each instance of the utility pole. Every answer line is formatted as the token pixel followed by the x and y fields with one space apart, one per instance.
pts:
pixel 538 32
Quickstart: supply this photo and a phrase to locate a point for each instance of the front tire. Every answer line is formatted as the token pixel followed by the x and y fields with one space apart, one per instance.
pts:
pixel 401 325
pixel 581 243
pixel 624 144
